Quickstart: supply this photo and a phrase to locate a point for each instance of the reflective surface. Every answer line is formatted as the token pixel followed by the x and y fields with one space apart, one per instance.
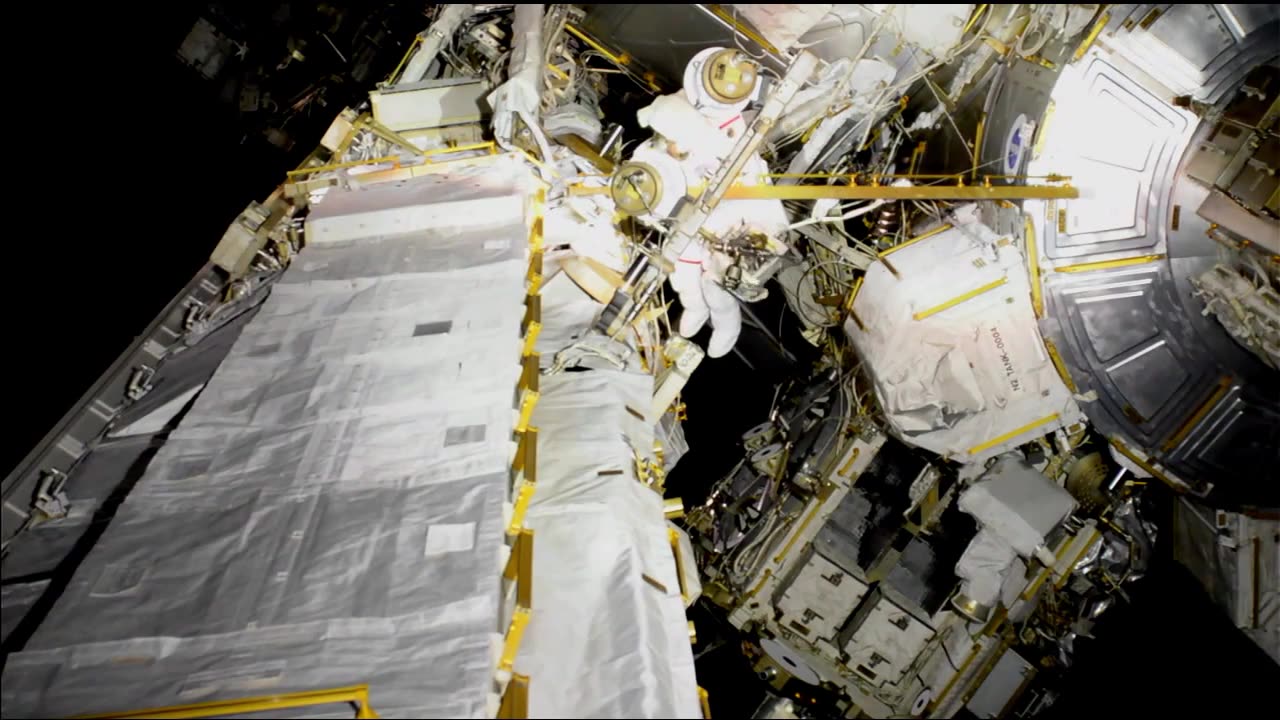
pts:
pixel 1157 375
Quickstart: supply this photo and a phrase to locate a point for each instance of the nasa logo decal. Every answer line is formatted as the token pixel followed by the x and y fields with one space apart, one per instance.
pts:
pixel 1015 146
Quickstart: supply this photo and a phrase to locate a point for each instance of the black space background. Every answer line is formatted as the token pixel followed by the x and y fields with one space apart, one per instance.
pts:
pixel 124 170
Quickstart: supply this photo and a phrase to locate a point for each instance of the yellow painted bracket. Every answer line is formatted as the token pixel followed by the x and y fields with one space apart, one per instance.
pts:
pixel 1108 264
pixel 526 459
pixel 1219 391
pixel 531 339
pixel 853 297
pixel 916 155
pixel 535 270
pixel 1061 366
pixel 532 312
pixel 304 171
pixel 489 145
pixel 960 299
pixel 536 233
pixel 742 29
pixel 338 166
pixel 520 568
pixel 977 146
pixel 1033 267
pixel 675 550
pixel 396 138
pixel 515 633
pixel 808 518
pixel 1091 37
pixel 534 275
pixel 977 12
pixel 853 294
pixel 705 701
pixel 923 236
pixel 404 60
pixel 526 411
pixel 530 371
pixel 357 695
pixel 848 465
pixel 896 192
pixel 515 701
pixel 524 495
pixel 608 55
pixel 1013 434
pixel 581 147
pixel 1147 465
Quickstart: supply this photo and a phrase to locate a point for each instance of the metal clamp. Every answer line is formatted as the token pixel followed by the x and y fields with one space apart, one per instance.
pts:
pixel 140 382
pixel 51 496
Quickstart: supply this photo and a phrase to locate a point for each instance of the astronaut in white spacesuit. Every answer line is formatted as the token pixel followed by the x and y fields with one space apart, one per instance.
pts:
pixel 693 134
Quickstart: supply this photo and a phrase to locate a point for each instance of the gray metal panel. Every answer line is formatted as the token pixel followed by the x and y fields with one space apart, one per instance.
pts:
pixel 923 576
pixel 1245 19
pixel 94 413
pixel 279 562
pixel 1147 137
pixel 1108 322
pixel 1167 379
pixel 1241 430
pixel 15 601
pixel 854 537
pixel 308 525
pixel 1195 31
pixel 187 367
pixel 1002 686
pixel 1184 48
pixel 40 549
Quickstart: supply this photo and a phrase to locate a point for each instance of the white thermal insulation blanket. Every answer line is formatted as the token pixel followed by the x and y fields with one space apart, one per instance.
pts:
pixel 782 25
pixel 951 341
pixel 608 637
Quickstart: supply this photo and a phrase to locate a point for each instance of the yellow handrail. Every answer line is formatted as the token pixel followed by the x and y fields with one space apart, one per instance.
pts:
pixel 358 695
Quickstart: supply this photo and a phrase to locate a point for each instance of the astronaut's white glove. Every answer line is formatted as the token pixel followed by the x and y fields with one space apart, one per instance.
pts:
pixel 696 280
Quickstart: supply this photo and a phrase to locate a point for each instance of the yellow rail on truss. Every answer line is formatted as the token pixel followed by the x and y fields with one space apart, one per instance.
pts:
pixel 357 695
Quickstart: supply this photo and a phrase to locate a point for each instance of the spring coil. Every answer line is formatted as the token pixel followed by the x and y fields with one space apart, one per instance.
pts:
pixel 886 226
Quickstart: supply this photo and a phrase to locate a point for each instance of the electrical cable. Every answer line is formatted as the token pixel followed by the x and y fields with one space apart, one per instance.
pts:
pixel 1034 27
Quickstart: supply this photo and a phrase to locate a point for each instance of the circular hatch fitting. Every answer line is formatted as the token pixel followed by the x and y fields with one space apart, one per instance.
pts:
pixel 730 76
pixel 636 188
pixel 720 82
